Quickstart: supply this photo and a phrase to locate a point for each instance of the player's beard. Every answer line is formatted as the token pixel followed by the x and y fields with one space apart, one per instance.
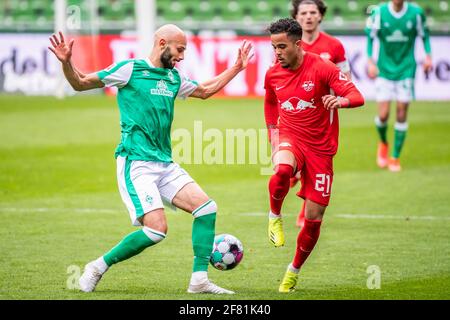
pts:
pixel 166 59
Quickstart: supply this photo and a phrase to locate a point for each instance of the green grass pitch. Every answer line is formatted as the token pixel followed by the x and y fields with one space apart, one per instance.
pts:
pixel 60 208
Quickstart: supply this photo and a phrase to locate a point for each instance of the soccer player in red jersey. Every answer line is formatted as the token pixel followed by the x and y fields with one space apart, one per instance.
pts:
pixel 309 14
pixel 298 103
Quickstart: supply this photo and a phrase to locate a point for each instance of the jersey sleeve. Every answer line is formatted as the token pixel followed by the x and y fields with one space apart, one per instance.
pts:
pixel 340 59
pixel 342 86
pixel 270 104
pixel 372 26
pixel 187 86
pixel 118 74
pixel 423 31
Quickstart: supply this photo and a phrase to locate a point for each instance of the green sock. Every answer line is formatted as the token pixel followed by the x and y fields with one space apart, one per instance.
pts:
pixel 203 232
pixel 382 129
pixel 133 244
pixel 399 138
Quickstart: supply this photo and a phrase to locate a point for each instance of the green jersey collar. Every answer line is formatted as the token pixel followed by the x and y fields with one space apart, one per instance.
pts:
pixel 399 14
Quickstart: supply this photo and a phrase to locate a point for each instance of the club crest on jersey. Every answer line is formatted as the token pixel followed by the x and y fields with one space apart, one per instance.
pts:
pixel 295 104
pixel 308 85
pixel 162 90
pixel 325 55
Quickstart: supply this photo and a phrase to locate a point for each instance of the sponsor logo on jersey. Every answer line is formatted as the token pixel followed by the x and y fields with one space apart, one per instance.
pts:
pixel 295 104
pixel 145 73
pixel 161 90
pixel 279 88
pixel 397 36
pixel 308 85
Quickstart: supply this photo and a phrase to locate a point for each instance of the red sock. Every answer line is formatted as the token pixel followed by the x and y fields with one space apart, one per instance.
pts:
pixel 306 241
pixel 301 216
pixel 279 186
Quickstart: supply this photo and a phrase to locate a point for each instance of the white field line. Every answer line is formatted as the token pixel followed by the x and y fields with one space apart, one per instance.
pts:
pixel 80 210
pixel 363 216
pixel 248 214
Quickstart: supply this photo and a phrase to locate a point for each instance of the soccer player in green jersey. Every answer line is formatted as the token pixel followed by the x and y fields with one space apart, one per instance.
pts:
pixel 396 24
pixel 145 171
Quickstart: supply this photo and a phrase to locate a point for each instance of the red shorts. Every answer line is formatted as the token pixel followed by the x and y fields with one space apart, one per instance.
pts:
pixel 316 172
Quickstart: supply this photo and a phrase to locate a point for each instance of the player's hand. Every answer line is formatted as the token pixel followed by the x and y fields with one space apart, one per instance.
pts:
pixel 245 54
pixel 331 102
pixel 60 48
pixel 427 64
pixel 372 69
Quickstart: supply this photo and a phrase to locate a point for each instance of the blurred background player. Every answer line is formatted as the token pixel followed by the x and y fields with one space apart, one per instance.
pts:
pixel 310 14
pixel 307 134
pixel 396 24
pixel 146 173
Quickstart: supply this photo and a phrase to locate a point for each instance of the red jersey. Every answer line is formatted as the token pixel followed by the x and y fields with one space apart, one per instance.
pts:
pixel 329 48
pixel 293 101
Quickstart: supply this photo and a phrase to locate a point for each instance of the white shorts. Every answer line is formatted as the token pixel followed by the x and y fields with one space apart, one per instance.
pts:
pixel 390 90
pixel 144 185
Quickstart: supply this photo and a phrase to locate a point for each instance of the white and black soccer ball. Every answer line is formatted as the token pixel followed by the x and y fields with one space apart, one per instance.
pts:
pixel 227 252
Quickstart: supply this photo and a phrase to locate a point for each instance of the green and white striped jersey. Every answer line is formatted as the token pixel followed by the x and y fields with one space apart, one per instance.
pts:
pixel 146 99
pixel 397 32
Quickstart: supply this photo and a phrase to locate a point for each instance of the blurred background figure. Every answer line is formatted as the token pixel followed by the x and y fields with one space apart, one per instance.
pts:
pixel 396 24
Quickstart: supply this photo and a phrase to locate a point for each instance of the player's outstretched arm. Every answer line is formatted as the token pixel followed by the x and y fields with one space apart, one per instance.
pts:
pixel 214 85
pixel 78 80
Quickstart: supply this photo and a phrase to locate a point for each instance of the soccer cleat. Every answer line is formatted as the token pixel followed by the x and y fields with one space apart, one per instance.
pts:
pixel 90 277
pixel 382 154
pixel 394 165
pixel 208 287
pixel 289 282
pixel 276 233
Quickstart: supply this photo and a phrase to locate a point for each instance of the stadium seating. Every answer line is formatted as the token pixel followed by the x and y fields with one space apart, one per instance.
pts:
pixel 20 14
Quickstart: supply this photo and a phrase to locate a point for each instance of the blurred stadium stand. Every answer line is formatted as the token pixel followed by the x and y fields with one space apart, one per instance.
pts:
pixel 244 16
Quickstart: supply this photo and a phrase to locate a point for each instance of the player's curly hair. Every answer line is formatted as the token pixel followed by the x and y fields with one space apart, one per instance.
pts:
pixel 286 25
pixel 319 3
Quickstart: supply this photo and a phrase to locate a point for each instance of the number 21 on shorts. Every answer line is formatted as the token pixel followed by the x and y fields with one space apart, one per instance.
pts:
pixel 323 184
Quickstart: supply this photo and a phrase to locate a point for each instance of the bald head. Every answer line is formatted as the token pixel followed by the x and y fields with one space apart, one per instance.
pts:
pixel 169 32
pixel 168 47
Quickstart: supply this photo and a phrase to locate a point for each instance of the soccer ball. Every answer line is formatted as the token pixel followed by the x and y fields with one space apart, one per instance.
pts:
pixel 227 252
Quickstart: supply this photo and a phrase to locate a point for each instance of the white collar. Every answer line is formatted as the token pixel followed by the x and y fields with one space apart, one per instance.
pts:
pixel 399 14
pixel 150 64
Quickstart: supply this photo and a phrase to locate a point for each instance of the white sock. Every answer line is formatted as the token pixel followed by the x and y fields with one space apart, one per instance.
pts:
pixel 101 265
pixel 199 277
pixel 273 215
pixel 291 268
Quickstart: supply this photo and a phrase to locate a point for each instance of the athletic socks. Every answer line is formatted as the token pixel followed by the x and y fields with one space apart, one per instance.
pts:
pixel 382 129
pixel 306 240
pixel 279 186
pixel 133 244
pixel 203 232
pixel 399 138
